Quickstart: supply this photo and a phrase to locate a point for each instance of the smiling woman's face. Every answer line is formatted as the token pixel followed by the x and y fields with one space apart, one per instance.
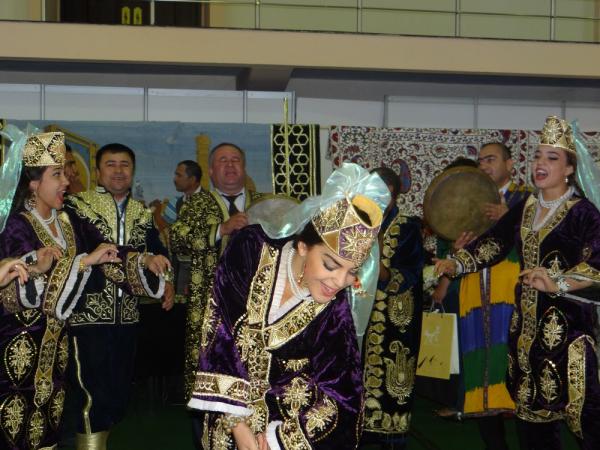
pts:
pixel 325 272
pixel 550 167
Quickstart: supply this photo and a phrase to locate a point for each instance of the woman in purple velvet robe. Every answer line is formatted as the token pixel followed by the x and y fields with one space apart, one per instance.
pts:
pixel 33 336
pixel 553 369
pixel 279 363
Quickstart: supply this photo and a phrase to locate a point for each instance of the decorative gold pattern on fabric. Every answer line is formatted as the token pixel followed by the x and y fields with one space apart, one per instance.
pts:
pixel 526 391
pixel 100 209
pixel 295 365
pixel 586 271
pixel 222 386
pixel 36 428
pixel 133 274
pixel 44 149
pixel 19 357
pixel 576 382
pixel 514 321
pixel 511 367
pixel 99 308
pixel 62 354
pixel 130 312
pixel 466 260
pixel 220 437
pixel 555 267
pixel 487 251
pixel 321 419
pixel 55 408
pixel 293 323
pixel 382 422
pixel 12 416
pixel 529 296
pixel 28 317
pixel 554 328
pixel 296 396
pixel 60 273
pixel 249 332
pixel 114 272
pixel 56 284
pixel 292 437
pixel 549 382
pixel 344 232
pixel 8 298
pixel 209 323
pixel 295 160
pixel 43 375
pixel 558 133
pixel 401 309
pixel 400 374
pixel 193 234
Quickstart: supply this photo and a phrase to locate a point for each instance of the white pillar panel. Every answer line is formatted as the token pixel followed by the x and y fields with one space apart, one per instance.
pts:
pixel 515 114
pixel 328 112
pixel 267 107
pixel 586 114
pixel 326 164
pixel 430 112
pixel 94 103
pixel 20 101
pixel 187 105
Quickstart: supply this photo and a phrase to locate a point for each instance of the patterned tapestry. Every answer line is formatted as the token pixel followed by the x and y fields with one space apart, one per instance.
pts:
pixel 419 154
pixel 295 160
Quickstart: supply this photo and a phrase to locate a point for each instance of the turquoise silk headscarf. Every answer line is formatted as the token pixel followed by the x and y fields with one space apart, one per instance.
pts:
pixel 10 170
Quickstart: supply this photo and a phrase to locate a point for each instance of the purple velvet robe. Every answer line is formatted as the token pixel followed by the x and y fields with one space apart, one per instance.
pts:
pixel 553 370
pixel 33 336
pixel 298 378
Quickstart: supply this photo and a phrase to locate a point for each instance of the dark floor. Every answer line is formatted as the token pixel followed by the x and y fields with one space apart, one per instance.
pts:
pixel 153 424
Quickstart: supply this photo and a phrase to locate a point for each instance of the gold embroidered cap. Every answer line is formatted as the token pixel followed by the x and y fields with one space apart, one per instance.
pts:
pixel 45 149
pixel 558 133
pixel 344 232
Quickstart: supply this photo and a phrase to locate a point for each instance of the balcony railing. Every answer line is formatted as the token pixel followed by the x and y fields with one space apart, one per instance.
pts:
pixel 544 20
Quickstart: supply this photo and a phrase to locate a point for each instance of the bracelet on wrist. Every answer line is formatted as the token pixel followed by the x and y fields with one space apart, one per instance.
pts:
pixel 83 267
pixel 168 276
pixel 563 287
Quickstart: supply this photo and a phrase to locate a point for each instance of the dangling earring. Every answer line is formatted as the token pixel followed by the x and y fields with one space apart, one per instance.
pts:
pixel 30 202
pixel 301 276
pixel 357 284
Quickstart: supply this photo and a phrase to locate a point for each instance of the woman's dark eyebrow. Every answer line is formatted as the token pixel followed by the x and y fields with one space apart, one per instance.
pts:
pixel 332 259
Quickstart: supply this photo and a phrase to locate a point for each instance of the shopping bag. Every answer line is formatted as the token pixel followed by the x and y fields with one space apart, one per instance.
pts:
pixel 438 353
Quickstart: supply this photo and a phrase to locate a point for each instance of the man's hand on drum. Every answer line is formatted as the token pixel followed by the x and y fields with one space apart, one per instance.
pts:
pixel 495 211
pixel 464 238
